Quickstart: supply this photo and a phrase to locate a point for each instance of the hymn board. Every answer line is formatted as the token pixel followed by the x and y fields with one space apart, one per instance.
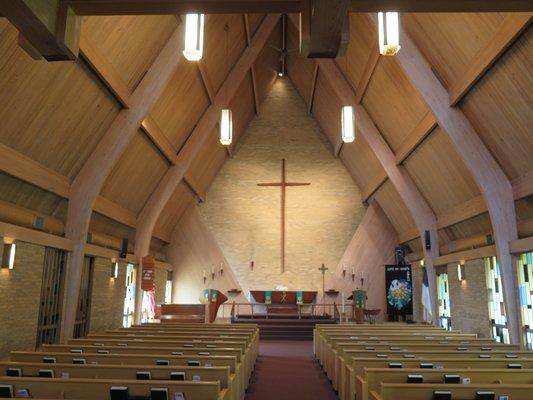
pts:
pixel 283 184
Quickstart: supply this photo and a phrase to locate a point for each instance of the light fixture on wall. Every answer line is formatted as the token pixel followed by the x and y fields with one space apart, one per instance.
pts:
pixel 194 37
pixel 461 272
pixel 343 270
pixel 221 269
pixel 114 269
pixel 204 277
pixel 226 127
pixel 348 124
pixel 389 33
pixel 8 256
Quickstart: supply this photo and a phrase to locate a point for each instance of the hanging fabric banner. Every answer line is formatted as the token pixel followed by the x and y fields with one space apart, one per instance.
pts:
pixel 399 287
pixel 299 297
pixel 147 277
pixel 268 297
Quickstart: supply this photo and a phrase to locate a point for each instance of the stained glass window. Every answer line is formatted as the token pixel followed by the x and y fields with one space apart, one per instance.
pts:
pixel 525 293
pixel 129 301
pixel 444 301
pixel 500 333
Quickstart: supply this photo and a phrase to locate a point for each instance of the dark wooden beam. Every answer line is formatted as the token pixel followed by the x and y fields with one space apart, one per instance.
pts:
pixel 49 28
pixel 166 7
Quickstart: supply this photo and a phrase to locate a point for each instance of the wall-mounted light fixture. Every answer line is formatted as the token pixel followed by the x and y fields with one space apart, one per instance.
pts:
pixel 389 33
pixel 348 124
pixel 194 37
pixel 114 269
pixel 226 127
pixel 461 272
pixel 8 255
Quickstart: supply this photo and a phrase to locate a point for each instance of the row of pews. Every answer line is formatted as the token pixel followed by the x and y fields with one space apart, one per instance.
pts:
pixel 153 361
pixel 419 362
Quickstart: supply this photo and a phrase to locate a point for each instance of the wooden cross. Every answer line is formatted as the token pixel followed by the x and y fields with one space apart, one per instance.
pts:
pixel 323 269
pixel 283 184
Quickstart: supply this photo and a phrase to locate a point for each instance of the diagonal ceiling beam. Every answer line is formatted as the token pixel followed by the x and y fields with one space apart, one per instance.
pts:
pixel 416 137
pixel 416 204
pixel 91 178
pixel 248 32
pixel 166 187
pixel 492 182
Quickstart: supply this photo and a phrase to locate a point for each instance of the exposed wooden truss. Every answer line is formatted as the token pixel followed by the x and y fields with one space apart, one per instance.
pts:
pixel 492 182
pixel 166 187
pixel 160 7
pixel 89 181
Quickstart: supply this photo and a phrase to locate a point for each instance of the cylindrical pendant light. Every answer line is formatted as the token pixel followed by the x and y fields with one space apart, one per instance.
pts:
pixel 389 33
pixel 226 127
pixel 194 37
pixel 348 124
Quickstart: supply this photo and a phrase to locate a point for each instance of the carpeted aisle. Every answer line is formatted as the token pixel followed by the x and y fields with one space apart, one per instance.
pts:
pixel 286 370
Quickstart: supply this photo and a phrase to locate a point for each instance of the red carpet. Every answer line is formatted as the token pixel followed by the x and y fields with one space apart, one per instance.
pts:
pixel 286 370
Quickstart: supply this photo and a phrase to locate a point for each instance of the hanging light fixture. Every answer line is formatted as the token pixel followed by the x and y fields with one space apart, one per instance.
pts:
pixel 194 37
pixel 389 33
pixel 226 127
pixel 348 124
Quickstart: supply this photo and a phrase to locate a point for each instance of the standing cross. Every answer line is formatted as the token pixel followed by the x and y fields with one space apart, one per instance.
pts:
pixel 283 184
pixel 323 269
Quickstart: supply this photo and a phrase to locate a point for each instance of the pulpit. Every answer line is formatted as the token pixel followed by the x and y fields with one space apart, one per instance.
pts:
pixel 213 299
pixel 359 301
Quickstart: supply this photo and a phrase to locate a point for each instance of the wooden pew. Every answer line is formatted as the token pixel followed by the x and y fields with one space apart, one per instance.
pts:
pixel 375 376
pixel 98 389
pixel 354 374
pixel 126 372
pixel 398 391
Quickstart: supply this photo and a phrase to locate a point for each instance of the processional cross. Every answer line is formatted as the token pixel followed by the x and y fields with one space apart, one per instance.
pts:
pixel 323 269
pixel 283 184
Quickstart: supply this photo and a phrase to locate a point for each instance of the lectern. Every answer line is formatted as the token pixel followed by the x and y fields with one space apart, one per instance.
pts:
pixel 213 298
pixel 359 301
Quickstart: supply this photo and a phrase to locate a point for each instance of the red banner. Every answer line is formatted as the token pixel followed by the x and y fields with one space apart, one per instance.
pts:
pixel 148 266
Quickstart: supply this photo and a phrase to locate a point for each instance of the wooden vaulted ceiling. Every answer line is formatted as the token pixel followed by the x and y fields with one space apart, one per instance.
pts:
pixel 56 113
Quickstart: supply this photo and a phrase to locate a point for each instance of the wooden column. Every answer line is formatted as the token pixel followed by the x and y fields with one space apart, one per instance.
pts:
pixel 47 28
pixel 157 201
pixel 92 176
pixel 492 182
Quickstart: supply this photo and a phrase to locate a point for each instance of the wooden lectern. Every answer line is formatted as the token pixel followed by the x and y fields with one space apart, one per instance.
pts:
pixel 359 301
pixel 213 298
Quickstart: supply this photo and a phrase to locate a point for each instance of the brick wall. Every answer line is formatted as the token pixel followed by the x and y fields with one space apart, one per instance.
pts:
pixel 469 299
pixel 160 280
pixel 245 218
pixel 107 303
pixel 20 291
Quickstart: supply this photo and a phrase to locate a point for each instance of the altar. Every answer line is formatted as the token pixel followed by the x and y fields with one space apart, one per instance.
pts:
pixel 283 297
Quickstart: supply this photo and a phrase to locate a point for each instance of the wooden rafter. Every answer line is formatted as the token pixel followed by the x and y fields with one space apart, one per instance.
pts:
pixel 491 180
pixel 509 31
pixel 313 89
pixel 405 186
pixel 252 68
pixel 374 186
pixel 91 178
pixel 473 254
pixel 206 81
pixel 166 187
pixel 370 67
pixel 170 7
pixel 416 137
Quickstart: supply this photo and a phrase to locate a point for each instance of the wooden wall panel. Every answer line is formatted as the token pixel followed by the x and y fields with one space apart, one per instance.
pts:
pixel 394 207
pixel 299 69
pixel 182 104
pixel 176 206
pixel 136 174
pixel 361 162
pixel 25 195
pixel 450 40
pixel 471 227
pixel 207 163
pixel 363 41
pixel 131 43
pixel 267 65
pixel 242 108
pixel 54 113
pixel 219 55
pixel 255 20
pixel 393 103
pixel 440 174
pixel 524 208
pixel 327 110
pixel 500 107
pixel 102 224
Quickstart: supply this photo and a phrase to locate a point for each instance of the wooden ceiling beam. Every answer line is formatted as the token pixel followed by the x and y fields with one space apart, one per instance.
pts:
pixel 370 67
pixel 166 187
pixel 248 32
pixel 523 185
pixel 460 256
pixel 204 77
pixel 324 28
pixel 93 174
pixel 374 186
pixel 510 29
pixel 416 137
pixel 520 246
pixel 103 68
pixel 171 7
pixel 313 89
pixel 416 204
pixel 50 27
pixel 488 175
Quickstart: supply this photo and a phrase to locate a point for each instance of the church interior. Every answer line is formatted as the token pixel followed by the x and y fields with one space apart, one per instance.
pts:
pixel 266 199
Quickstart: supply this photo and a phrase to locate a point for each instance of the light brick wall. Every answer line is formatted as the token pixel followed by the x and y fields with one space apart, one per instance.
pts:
pixel 160 280
pixel 107 303
pixel 469 299
pixel 245 218
pixel 20 291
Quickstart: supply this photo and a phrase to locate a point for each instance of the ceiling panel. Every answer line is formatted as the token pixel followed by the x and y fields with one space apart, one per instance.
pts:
pixel 243 108
pixel 267 64
pixel 394 207
pixel 327 110
pixel 178 202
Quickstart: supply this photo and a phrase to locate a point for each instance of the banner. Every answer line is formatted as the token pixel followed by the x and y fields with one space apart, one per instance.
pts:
pixel 399 287
pixel 268 297
pixel 204 299
pixel 299 297
pixel 360 298
pixel 147 277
